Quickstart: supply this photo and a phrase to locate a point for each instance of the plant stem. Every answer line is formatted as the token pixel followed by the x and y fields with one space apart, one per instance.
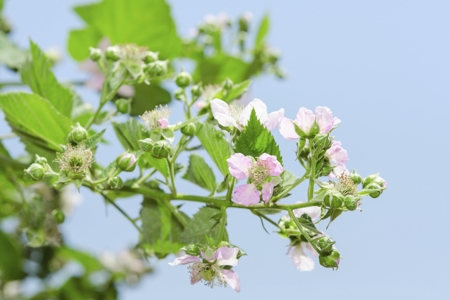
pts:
pixel 223 221
pixel 300 227
pixel 230 189
pixel 265 218
pixel 312 173
pixel 121 211
pixel 8 136
pixel 144 178
pixel 290 188
pixel 172 177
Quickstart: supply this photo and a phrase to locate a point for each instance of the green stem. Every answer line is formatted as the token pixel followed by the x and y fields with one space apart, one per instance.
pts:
pixel 172 187
pixel 121 211
pixel 230 189
pixel 266 218
pixel 144 178
pixel 312 173
pixel 8 136
pixel 223 221
pixel 180 146
pixel 300 227
pixel 289 188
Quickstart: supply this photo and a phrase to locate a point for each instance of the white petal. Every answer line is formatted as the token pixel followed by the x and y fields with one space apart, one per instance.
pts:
pixel 232 279
pixel 221 113
pixel 185 259
pixel 300 260
pixel 311 249
pixel 273 119
pixel 312 211
pixel 260 109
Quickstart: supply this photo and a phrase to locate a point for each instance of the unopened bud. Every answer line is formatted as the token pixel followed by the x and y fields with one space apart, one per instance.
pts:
pixel 123 105
pixel 58 216
pixel 35 171
pixel 326 245
pixel 333 199
pixel 112 53
pixel 161 149
pixel 355 177
pixel 227 84
pixel 78 134
pixel 126 162
pixel 146 145
pixel 183 79
pixel 95 54
pixel 157 68
pixel 150 57
pixel 376 189
pixel 189 129
pixel 115 183
pixel 351 202
pixel 330 261
pixel 180 95
pixel 321 141
pixel 369 179
pixel 191 249
pixel 41 160
pixel 196 90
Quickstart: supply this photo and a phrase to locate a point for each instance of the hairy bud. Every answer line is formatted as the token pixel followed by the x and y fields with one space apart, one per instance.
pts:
pixel 161 149
pixel 77 135
pixel 115 183
pixel 355 177
pixel 351 202
pixel 326 245
pixel 95 54
pixel 112 53
pixel 333 199
pixel 123 105
pixel 58 216
pixel 35 171
pixel 183 79
pixel 157 68
pixel 196 90
pixel 331 261
pixel 150 57
pixel 227 84
pixel 189 129
pixel 126 162
pixel 146 145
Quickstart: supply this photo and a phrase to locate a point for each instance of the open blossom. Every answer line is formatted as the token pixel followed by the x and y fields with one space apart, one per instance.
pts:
pixel 260 174
pixel 338 157
pixel 305 120
pixel 237 116
pixel 211 268
pixel 157 118
pixel 76 159
pixel 298 252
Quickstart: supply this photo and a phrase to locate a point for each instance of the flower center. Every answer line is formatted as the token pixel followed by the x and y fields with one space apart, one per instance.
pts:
pixel 345 185
pixel 236 110
pixel 259 173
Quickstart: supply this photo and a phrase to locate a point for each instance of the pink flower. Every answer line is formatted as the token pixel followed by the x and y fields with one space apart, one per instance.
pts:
pixel 260 174
pixel 338 157
pixel 238 117
pixel 305 120
pixel 211 268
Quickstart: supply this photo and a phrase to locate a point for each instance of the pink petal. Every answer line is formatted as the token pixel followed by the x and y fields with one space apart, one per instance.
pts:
pixel 126 91
pixel 324 118
pixel 163 123
pixel 246 194
pixel 271 163
pixel 300 260
pixel 239 165
pixel 185 259
pixel 310 249
pixel 312 211
pixel 273 119
pixel 305 119
pixel 287 129
pixel 196 274
pixel 338 170
pixel 260 109
pixel 232 279
pixel 226 256
pixel 337 154
pixel 267 191
pixel 222 114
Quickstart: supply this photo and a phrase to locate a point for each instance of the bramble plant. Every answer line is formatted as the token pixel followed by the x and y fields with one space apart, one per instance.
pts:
pixel 57 128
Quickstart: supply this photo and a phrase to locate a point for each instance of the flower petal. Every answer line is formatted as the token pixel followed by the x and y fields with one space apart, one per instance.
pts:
pixel 311 249
pixel 260 109
pixel 300 260
pixel 271 163
pixel 221 113
pixel 239 165
pixel 267 191
pixel 232 279
pixel 184 260
pixel 246 194
pixel 287 129
pixel 324 118
pixel 226 256
pixel 163 123
pixel 337 154
pixel 196 274
pixel 305 119
pixel 273 119
pixel 312 211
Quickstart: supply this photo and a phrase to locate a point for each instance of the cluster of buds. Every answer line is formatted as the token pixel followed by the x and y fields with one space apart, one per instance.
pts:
pixel 212 264
pixel 131 63
pixel 40 168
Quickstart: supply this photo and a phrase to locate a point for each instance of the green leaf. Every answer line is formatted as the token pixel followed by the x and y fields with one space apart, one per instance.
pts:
pixel 200 173
pixel 263 29
pixel 94 140
pixel 11 55
pixel 129 133
pixel 38 124
pixel 89 263
pixel 215 144
pixel 80 40
pixel 255 140
pixel 211 70
pixel 143 22
pixel 10 258
pixel 147 97
pixel 235 93
pixel 37 75
pixel 203 227
pixel 161 230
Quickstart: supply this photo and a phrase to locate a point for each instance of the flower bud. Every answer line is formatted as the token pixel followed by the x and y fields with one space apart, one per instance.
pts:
pixel 112 53
pixel 146 145
pixel 183 79
pixel 227 84
pixel 196 90
pixel 333 199
pixel 189 129
pixel 35 171
pixel 376 189
pixel 115 183
pixel 369 179
pixel 157 68
pixel 58 216
pixel 320 141
pixel 41 160
pixel 351 202
pixel 355 177
pixel 326 245
pixel 331 261
pixel 126 162
pixel 77 135
pixel 191 249
pixel 179 95
pixel 95 54
pixel 123 105
pixel 150 57
pixel 161 149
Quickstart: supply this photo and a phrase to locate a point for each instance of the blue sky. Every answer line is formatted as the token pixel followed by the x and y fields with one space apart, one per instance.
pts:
pixel 383 67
